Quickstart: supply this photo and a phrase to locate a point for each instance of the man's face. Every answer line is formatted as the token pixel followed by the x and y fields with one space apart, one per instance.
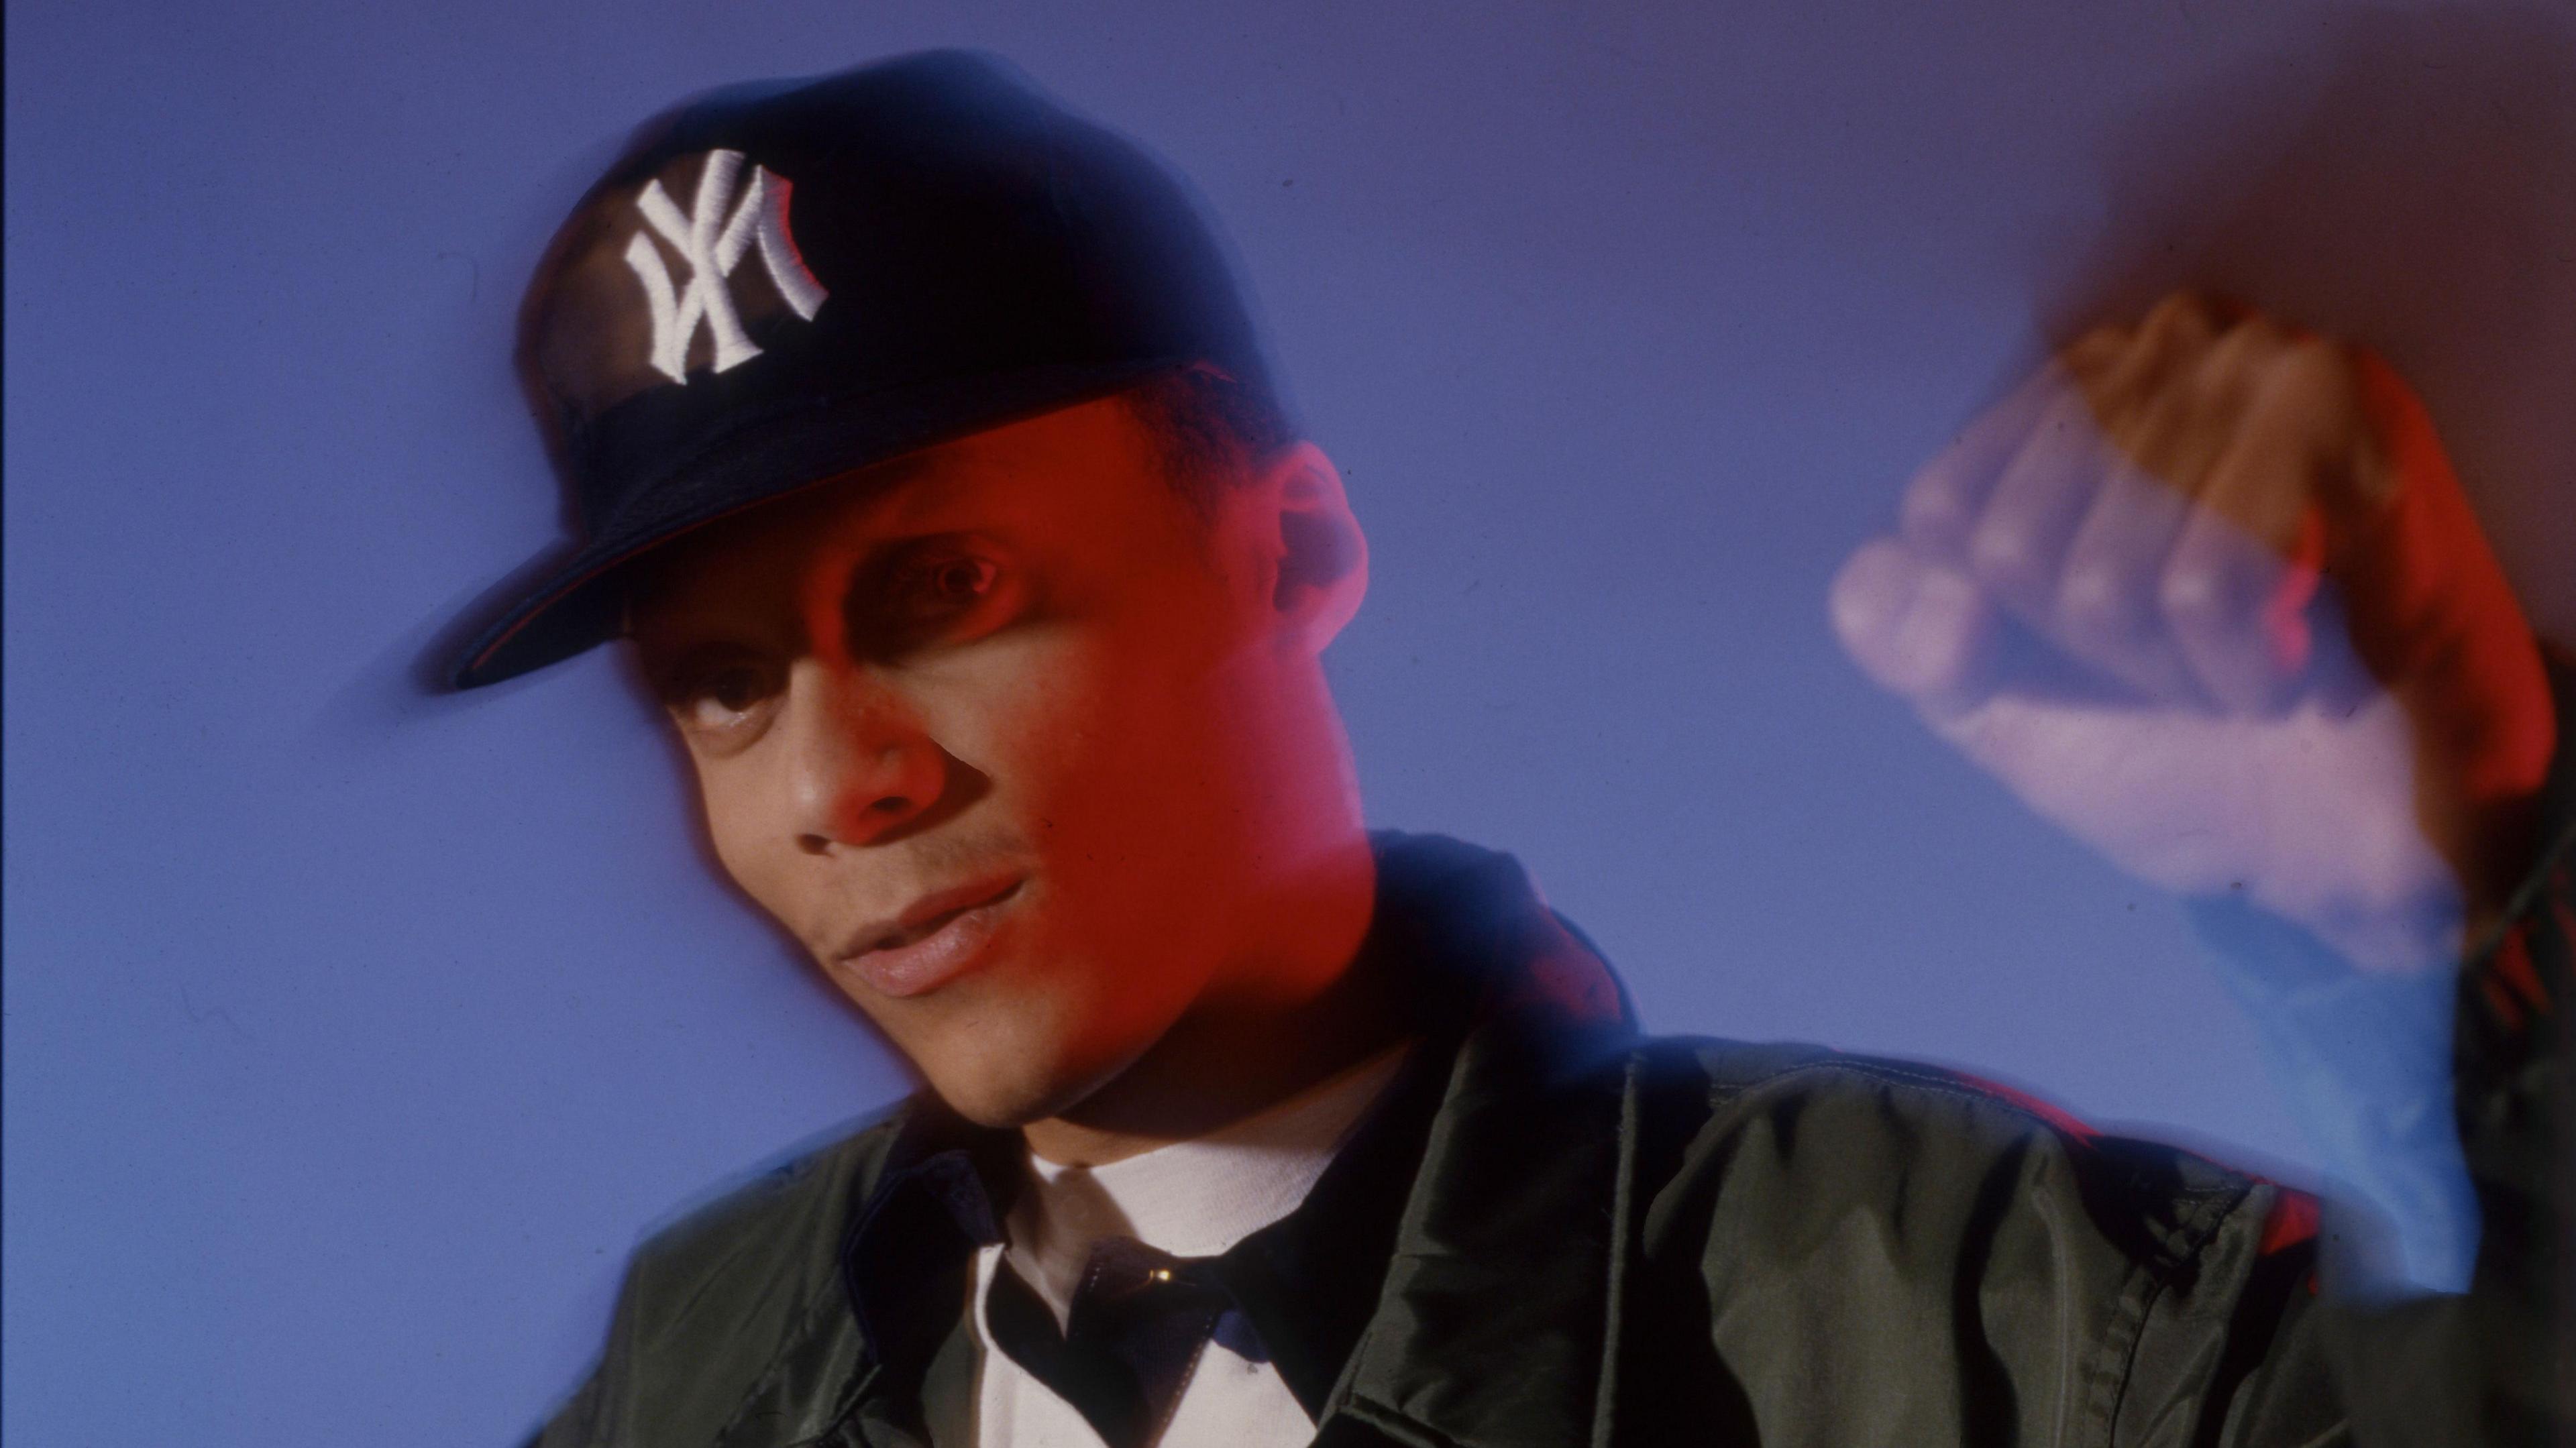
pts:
pixel 984 729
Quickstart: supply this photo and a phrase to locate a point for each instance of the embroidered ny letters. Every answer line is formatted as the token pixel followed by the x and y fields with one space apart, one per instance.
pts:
pixel 712 238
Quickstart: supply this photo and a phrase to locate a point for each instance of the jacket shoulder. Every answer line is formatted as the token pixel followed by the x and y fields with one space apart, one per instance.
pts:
pixel 716 1298
pixel 782 1216
pixel 1812 1105
pixel 1816 1213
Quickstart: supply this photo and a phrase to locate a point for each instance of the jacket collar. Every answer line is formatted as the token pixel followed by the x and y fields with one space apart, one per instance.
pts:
pixel 1493 1321
pixel 1448 1279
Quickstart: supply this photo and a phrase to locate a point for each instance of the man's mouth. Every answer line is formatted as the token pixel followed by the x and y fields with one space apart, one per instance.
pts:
pixel 936 938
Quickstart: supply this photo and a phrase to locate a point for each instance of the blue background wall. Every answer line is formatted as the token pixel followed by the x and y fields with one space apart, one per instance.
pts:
pixel 351 1039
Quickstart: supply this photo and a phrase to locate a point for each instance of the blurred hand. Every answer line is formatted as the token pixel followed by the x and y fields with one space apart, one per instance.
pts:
pixel 2206 593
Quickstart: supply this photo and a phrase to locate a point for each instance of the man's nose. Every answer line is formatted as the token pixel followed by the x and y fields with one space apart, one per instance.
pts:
pixel 861 765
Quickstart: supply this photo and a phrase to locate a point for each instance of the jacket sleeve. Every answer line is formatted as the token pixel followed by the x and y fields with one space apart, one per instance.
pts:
pixel 2434 1307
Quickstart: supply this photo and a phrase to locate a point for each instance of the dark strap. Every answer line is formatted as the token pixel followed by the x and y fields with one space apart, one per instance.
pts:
pixel 1140 1319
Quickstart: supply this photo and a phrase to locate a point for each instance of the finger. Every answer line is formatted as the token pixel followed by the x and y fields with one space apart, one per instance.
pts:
pixel 2091 357
pixel 1917 628
pixel 2020 538
pixel 2105 611
pixel 1941 502
pixel 2235 609
pixel 2168 415
pixel 1867 603
pixel 2107 614
pixel 2211 405
pixel 2237 584
pixel 2168 348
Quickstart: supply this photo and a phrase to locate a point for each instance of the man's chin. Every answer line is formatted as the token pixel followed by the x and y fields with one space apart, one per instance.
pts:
pixel 1011 1095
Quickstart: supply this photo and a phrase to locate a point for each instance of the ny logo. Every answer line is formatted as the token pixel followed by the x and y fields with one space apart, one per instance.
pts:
pixel 712 238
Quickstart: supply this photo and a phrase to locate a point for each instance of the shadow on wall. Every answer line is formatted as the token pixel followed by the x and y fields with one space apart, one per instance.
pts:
pixel 2410 183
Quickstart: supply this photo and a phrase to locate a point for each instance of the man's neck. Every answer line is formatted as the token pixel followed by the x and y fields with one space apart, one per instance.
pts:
pixel 1308 1014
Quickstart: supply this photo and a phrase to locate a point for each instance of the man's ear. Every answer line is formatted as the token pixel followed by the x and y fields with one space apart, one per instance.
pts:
pixel 1322 555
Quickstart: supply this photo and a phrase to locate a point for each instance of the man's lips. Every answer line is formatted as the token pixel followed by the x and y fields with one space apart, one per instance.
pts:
pixel 934 940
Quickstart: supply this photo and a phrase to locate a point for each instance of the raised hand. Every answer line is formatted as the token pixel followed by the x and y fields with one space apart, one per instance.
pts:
pixel 2206 593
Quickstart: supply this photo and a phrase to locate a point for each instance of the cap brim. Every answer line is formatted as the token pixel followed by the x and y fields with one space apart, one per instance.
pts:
pixel 579 602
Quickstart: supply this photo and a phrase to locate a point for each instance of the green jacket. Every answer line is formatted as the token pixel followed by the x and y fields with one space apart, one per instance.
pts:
pixel 1558 1231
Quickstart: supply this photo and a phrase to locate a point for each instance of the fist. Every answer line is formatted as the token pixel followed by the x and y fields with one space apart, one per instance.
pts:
pixel 2206 593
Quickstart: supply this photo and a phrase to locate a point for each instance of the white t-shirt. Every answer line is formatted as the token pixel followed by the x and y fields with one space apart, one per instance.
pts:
pixel 1191 1199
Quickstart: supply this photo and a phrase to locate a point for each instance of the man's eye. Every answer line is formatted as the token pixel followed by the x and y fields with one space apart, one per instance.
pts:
pixel 931 597
pixel 956 583
pixel 720 696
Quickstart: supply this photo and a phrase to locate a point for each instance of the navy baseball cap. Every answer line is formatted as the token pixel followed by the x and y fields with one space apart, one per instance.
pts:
pixel 778 283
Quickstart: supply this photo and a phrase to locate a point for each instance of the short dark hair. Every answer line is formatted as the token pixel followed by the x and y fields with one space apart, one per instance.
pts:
pixel 1210 429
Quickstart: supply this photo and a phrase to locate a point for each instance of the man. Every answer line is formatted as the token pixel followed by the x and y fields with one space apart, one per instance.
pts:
pixel 922 446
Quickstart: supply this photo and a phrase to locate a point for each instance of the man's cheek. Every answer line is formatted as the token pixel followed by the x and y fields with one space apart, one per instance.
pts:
pixel 746 841
pixel 999 711
pixel 1038 728
pixel 729 836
